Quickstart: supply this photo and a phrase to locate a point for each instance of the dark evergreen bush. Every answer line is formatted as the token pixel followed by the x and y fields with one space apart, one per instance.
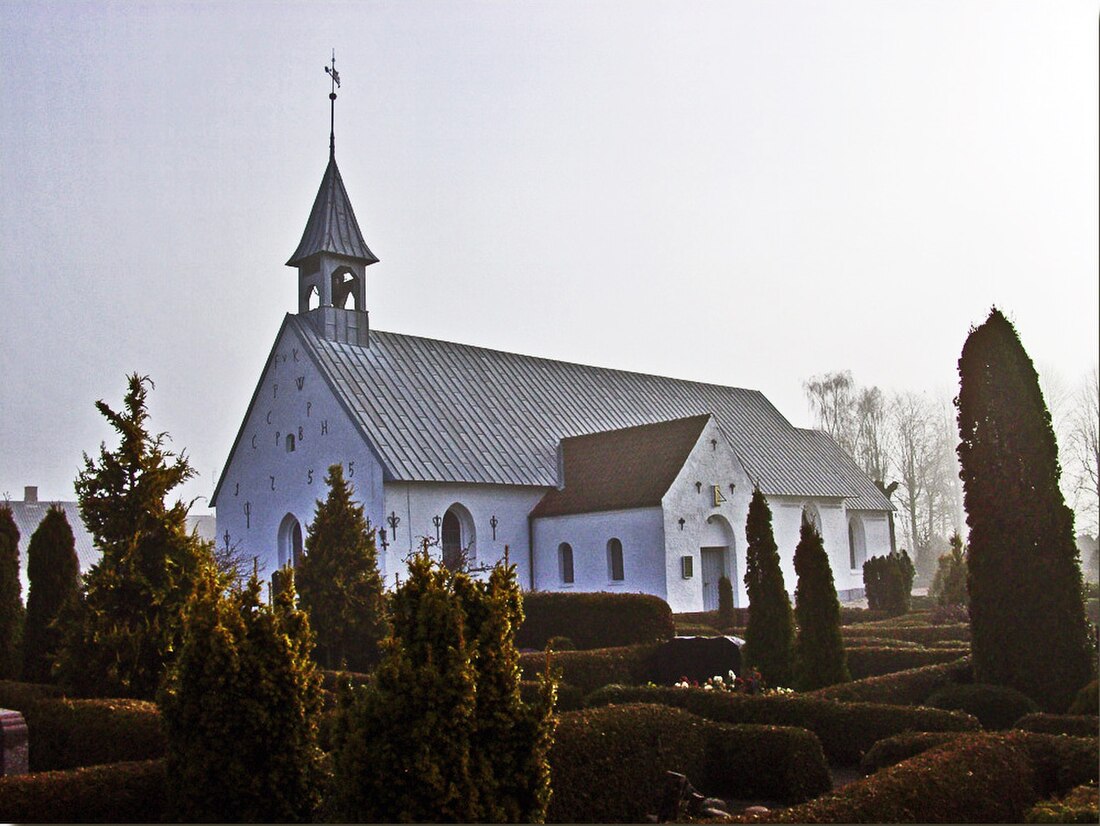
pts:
pixel 888 582
pixel 726 614
pixel 890 751
pixel 769 635
pixel 905 688
pixel 18 695
pixel 595 620
pixel 11 601
pixel 979 778
pixel 112 793
pixel 846 730
pixel 609 763
pixel 68 734
pixel 592 669
pixel 1059 762
pixel 876 661
pixel 240 707
pixel 819 648
pixel 1074 725
pixel 442 732
pixel 1086 701
pixel 949 581
pixel 996 706
pixel 1080 805
pixel 54 574
pixel 339 581
pixel 119 638
pixel 1028 621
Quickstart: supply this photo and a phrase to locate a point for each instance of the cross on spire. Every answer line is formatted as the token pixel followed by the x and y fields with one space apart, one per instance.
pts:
pixel 335 76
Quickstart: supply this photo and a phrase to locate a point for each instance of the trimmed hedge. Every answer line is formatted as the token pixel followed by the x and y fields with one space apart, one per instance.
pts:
pixel 846 730
pixel 976 778
pixel 924 634
pixel 875 661
pixel 16 695
pixel 113 793
pixel 1075 725
pixel 593 668
pixel 892 750
pixel 570 698
pixel 595 620
pixel 609 764
pixel 1081 805
pixel 905 688
pixel 1087 700
pixel 69 734
pixel 996 706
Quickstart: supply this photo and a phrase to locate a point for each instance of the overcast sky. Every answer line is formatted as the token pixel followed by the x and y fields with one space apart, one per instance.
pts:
pixel 744 193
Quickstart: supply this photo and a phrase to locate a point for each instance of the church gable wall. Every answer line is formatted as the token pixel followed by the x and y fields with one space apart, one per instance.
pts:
pixel 709 519
pixel 269 477
pixel 416 503
pixel 640 533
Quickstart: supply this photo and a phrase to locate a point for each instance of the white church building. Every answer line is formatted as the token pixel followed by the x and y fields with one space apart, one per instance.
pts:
pixel 594 479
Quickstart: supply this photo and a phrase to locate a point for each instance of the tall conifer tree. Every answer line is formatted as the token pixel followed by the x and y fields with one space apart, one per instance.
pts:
pixel 819 658
pixel 54 574
pixel 120 636
pixel 341 588
pixel 1028 627
pixel 11 602
pixel 769 637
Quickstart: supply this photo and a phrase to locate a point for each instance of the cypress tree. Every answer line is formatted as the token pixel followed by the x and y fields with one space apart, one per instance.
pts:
pixel 949 582
pixel 819 658
pixel 441 733
pixel 54 574
pixel 888 582
pixel 11 602
pixel 240 708
pixel 769 637
pixel 341 588
pixel 1028 627
pixel 726 615
pixel 119 637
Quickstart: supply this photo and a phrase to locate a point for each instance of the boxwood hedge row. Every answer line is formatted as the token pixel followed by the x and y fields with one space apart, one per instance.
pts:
pixel 594 668
pixel 68 734
pixel 609 764
pixel 594 620
pixel 875 661
pixel 1075 725
pixel 924 634
pixel 975 778
pixel 846 730
pixel 113 793
pixel 905 688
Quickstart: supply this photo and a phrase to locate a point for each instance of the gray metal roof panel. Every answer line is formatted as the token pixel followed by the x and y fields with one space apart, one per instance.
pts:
pixel 332 226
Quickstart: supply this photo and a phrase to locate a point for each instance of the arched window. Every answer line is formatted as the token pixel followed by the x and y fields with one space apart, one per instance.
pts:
pixel 313 298
pixel 290 443
pixel 857 542
pixel 565 562
pixel 615 560
pixel 290 541
pixel 457 537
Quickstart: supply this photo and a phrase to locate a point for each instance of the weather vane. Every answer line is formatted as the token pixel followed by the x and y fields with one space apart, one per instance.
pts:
pixel 332 73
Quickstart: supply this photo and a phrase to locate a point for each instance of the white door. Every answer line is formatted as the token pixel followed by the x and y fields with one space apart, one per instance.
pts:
pixel 714 567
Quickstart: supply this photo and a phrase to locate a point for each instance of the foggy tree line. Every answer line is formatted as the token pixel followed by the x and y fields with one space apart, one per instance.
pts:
pixel 909 438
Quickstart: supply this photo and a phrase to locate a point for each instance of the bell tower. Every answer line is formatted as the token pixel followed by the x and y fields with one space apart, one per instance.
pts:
pixel 332 256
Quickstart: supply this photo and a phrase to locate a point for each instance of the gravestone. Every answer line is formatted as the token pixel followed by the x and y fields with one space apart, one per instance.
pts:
pixel 696 658
pixel 13 743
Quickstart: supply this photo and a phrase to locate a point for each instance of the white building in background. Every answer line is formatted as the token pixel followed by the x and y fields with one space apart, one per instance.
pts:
pixel 594 479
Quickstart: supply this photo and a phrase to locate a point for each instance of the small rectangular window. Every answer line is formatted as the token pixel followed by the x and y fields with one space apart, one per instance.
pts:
pixel 687 567
pixel 565 553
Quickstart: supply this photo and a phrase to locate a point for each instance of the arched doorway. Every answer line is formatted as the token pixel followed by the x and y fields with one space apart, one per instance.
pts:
pixel 290 541
pixel 718 558
pixel 457 538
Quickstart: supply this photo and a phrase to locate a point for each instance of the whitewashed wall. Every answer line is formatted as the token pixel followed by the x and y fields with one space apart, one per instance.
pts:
pixel 273 482
pixel 640 531
pixel 711 462
pixel 415 503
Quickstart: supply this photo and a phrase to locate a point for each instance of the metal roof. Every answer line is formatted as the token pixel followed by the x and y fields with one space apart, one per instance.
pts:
pixel 332 226
pixel 621 469
pixel 436 411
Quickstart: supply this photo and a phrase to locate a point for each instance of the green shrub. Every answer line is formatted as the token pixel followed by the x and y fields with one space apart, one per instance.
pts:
pixel 892 750
pixel 888 582
pixel 868 661
pixel 692 629
pixel 1059 762
pixel 1075 725
pixel 846 730
pixel 11 600
pixel 996 706
pixel 54 574
pixel 240 706
pixel 69 734
pixel 854 615
pixel 978 778
pixel 17 695
pixel 1081 805
pixel 924 634
pixel 112 793
pixel 769 634
pixel 598 620
pixel 594 668
pixel 609 764
pixel 818 658
pixel 1087 700
pixel 905 688
pixel 949 581
pixel 570 698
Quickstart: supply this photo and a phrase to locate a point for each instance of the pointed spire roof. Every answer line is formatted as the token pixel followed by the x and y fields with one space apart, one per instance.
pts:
pixel 332 226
